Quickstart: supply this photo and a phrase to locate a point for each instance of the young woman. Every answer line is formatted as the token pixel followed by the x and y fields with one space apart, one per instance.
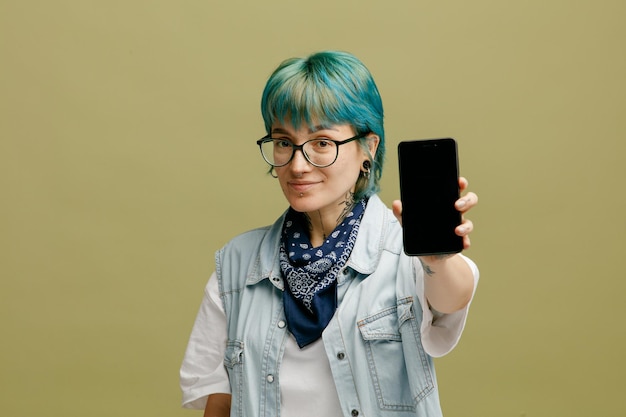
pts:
pixel 322 313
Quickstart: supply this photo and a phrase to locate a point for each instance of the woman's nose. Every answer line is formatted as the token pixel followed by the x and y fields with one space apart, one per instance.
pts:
pixel 299 163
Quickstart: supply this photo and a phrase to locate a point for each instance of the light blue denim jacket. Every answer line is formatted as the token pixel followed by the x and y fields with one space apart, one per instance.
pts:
pixel 373 342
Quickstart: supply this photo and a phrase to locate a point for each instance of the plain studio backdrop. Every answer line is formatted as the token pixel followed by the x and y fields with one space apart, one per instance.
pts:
pixel 127 157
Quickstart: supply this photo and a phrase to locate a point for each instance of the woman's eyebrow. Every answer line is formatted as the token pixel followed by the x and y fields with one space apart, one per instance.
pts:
pixel 279 130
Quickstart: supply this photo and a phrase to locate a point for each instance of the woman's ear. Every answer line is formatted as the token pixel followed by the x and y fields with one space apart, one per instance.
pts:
pixel 372 143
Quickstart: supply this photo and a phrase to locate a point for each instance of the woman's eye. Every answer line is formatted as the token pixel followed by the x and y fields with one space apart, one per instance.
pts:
pixel 282 143
pixel 322 143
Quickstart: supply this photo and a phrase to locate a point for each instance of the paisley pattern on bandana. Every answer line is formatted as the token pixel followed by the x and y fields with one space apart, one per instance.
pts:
pixel 311 273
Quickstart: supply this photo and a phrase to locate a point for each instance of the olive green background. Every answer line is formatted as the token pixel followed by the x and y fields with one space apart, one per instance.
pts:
pixel 127 158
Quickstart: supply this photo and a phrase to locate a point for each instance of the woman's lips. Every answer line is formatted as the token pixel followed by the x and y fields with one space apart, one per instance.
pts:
pixel 301 187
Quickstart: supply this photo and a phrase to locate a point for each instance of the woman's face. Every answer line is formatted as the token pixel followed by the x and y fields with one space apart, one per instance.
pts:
pixel 309 188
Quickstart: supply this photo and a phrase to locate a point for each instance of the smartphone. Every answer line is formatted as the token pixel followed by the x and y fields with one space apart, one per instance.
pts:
pixel 429 187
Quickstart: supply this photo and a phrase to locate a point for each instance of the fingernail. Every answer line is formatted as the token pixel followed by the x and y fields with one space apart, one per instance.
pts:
pixel 461 203
pixel 462 229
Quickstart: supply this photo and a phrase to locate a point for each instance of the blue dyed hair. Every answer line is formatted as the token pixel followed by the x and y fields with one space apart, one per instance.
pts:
pixel 328 88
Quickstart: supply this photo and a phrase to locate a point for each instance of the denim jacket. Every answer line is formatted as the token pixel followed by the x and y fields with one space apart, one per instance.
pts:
pixel 373 342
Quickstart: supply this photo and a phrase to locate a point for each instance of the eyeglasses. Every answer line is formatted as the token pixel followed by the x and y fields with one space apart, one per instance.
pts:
pixel 318 152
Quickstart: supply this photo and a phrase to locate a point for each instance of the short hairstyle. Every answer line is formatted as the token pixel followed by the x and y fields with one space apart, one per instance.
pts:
pixel 328 88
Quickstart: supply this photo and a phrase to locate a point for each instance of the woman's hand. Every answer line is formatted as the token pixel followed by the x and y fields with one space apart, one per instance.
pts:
pixel 449 281
pixel 463 204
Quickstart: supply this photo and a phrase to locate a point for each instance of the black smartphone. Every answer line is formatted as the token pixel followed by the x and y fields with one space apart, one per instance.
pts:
pixel 429 187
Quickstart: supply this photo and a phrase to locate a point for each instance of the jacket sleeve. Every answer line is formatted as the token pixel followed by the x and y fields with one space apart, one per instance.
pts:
pixel 441 332
pixel 202 371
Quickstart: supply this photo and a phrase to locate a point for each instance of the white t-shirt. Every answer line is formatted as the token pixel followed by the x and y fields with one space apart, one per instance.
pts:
pixel 305 374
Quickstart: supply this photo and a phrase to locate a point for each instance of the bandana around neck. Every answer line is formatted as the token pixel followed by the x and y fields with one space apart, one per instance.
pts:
pixel 310 297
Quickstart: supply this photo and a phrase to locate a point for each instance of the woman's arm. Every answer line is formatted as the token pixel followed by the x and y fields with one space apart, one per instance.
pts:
pixel 448 283
pixel 217 405
pixel 202 371
pixel 448 279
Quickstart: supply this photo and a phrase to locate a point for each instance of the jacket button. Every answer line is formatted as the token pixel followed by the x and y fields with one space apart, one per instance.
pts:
pixel 341 355
pixel 355 413
pixel 270 378
pixel 281 324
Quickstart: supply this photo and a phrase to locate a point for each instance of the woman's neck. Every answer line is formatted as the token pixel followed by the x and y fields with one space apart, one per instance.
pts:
pixel 320 227
pixel 322 222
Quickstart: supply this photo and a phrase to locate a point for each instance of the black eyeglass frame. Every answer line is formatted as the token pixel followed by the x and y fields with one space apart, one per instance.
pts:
pixel 294 148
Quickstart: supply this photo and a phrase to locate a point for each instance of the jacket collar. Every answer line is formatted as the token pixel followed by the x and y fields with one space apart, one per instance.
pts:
pixel 372 236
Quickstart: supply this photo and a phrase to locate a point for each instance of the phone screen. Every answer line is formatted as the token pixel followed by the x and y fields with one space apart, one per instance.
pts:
pixel 429 187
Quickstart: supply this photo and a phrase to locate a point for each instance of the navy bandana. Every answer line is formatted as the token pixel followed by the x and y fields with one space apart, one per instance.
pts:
pixel 310 298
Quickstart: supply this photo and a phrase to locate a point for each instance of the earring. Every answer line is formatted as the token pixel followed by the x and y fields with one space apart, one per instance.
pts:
pixel 273 173
pixel 366 166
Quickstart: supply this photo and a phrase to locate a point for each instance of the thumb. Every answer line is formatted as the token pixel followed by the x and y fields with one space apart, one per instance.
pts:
pixel 396 206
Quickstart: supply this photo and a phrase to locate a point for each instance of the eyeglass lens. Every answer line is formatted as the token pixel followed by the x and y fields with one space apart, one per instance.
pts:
pixel 319 152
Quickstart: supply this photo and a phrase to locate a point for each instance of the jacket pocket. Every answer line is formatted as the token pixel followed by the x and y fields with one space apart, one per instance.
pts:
pixel 400 382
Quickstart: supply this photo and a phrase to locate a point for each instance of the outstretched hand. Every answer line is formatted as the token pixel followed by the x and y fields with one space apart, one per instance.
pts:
pixel 463 204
